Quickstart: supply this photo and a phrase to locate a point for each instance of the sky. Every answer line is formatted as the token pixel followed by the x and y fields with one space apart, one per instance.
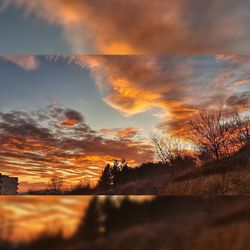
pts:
pixel 70 115
pixel 124 27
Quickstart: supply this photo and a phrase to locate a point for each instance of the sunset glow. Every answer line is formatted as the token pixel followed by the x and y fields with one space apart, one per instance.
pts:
pixel 73 115
pixel 118 27
pixel 31 216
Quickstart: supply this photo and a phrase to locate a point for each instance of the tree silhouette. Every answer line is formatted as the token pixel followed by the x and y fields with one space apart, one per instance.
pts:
pixel 109 210
pixel 115 173
pixel 91 226
pixel 185 161
pixel 241 124
pixel 56 182
pixel 125 172
pixel 121 172
pixel 209 132
pixel 104 182
pixel 214 132
pixel 168 147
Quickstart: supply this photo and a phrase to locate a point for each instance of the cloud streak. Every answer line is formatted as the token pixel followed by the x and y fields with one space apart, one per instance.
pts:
pixel 36 144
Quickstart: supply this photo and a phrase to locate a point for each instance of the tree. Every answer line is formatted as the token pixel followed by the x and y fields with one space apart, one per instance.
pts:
pixel 91 226
pixel 125 172
pixel 120 172
pixel 83 187
pixel 185 161
pixel 211 133
pixel 168 147
pixel 110 211
pixel 115 173
pixel 241 125
pixel 104 182
pixel 56 182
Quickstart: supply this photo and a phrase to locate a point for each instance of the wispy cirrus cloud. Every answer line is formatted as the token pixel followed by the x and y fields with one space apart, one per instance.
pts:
pixel 139 27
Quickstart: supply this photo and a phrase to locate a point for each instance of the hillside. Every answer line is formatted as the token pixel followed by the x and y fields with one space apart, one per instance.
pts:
pixel 229 176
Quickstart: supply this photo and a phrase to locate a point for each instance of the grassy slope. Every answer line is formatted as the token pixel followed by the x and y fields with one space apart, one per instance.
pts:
pixel 229 176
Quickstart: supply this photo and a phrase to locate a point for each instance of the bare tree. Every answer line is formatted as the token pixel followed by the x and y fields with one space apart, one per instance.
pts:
pixel 56 182
pixel 211 132
pixel 241 126
pixel 168 147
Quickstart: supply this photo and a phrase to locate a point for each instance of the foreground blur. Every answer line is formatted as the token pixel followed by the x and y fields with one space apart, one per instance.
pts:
pixel 122 223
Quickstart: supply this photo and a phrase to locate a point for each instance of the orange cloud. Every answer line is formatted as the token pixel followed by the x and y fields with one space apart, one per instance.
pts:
pixel 34 145
pixel 139 27
pixel 135 84
pixel 173 88
pixel 127 133
pixel 242 81
pixel 69 123
pixel 121 133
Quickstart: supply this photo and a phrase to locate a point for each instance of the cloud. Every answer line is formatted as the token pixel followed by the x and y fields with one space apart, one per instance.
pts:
pixel 240 100
pixel 127 132
pixel 121 133
pixel 146 27
pixel 242 81
pixel 173 88
pixel 36 144
pixel 71 118
pixel 28 63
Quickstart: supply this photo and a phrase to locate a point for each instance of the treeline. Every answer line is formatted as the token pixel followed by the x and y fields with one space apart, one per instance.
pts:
pixel 120 173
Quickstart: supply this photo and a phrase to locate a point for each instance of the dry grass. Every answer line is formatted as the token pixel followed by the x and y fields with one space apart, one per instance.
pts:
pixel 233 237
pixel 230 183
pixel 230 176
